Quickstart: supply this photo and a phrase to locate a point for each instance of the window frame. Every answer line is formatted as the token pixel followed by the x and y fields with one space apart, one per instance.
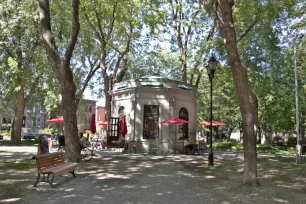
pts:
pixel 149 114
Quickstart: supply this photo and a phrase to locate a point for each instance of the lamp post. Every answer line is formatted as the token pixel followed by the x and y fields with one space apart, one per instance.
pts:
pixel 211 68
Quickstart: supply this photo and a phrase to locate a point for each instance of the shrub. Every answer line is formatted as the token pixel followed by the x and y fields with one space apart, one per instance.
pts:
pixel 291 141
pixel 228 146
pixel 46 131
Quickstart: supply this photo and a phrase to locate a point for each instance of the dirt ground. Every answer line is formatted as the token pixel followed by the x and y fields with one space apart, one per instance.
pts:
pixel 112 177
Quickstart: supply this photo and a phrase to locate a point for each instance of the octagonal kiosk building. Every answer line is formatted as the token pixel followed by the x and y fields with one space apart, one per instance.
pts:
pixel 140 105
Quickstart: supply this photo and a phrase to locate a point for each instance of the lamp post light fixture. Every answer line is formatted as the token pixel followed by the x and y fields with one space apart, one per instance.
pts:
pixel 211 68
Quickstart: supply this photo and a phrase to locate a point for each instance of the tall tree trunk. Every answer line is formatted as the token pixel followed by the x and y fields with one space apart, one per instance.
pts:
pixel 108 98
pixel 63 72
pixel 259 133
pixel 19 110
pixel 303 128
pixel 246 96
pixel 229 132
pixel 70 117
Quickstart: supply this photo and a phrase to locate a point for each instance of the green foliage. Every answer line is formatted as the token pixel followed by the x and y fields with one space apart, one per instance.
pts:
pixel 265 149
pixel 6 126
pixel 228 146
pixel 6 133
pixel 46 131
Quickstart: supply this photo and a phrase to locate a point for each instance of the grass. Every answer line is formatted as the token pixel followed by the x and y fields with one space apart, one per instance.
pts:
pixel 20 165
pixel 266 149
pixel 23 143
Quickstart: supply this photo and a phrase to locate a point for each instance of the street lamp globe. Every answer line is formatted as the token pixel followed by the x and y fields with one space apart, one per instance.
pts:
pixel 211 67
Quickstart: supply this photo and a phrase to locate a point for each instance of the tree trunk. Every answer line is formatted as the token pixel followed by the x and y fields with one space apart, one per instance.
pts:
pixel 19 109
pixel 259 132
pixel 303 129
pixel 63 72
pixel 108 97
pixel 229 132
pixel 70 118
pixel 246 96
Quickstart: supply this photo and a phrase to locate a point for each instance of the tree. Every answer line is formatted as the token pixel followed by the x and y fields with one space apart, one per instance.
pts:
pixel 115 24
pixel 190 32
pixel 61 67
pixel 222 13
pixel 20 54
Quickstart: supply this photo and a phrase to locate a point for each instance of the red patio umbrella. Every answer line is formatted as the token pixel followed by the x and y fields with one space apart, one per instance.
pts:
pixel 175 120
pixel 92 126
pixel 59 119
pixel 214 123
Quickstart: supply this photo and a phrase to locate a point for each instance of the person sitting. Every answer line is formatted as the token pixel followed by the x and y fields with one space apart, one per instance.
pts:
pixel 188 146
pixel 82 141
pixel 119 143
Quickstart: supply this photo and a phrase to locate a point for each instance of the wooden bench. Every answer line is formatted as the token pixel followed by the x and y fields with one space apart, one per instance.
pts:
pixel 53 164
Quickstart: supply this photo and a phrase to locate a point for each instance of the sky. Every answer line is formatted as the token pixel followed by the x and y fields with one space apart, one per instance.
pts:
pixel 88 95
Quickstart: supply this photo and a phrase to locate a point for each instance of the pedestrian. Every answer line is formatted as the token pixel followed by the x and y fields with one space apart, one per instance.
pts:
pixel 82 141
pixel 53 139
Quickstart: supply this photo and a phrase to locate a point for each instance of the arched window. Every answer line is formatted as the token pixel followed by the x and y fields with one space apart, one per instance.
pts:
pixel 183 114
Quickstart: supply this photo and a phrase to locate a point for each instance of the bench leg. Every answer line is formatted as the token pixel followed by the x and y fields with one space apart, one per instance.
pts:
pixel 51 181
pixel 43 180
pixel 72 172
pixel 37 180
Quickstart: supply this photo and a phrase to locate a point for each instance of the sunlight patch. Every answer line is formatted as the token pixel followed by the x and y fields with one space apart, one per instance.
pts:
pixel 128 186
pixel 9 200
pixel 70 196
pixel 279 200
pixel 209 177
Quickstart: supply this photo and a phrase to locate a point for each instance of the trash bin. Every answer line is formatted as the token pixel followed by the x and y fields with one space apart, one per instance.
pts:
pixel 43 145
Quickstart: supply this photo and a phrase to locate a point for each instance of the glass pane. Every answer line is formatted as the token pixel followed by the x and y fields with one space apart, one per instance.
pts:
pixel 150 125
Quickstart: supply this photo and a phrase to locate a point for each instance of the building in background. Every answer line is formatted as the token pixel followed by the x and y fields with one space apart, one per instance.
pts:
pixel 100 118
pixel 34 119
pixel 89 109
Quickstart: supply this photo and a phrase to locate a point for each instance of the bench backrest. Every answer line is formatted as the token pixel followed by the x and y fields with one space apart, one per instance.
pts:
pixel 49 160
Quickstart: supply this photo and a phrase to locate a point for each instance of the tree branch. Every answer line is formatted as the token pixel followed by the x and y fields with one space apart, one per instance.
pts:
pixel 248 29
pixel 45 21
pixel 32 90
pixel 74 32
pixel 92 71
pixel 91 25
pixel 112 22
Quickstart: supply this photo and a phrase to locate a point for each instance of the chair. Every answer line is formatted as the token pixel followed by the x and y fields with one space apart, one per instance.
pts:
pixel 119 144
pixel 132 146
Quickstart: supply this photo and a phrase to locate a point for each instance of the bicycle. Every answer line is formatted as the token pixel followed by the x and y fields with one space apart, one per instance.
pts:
pixel 86 153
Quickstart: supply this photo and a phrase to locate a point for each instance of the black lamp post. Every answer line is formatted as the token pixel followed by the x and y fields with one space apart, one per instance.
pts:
pixel 211 68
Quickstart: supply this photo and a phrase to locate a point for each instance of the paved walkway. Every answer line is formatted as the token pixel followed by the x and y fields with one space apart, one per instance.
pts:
pixel 111 177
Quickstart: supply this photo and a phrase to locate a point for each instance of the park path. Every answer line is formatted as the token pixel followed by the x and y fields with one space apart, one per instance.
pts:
pixel 112 177
pixel 124 179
